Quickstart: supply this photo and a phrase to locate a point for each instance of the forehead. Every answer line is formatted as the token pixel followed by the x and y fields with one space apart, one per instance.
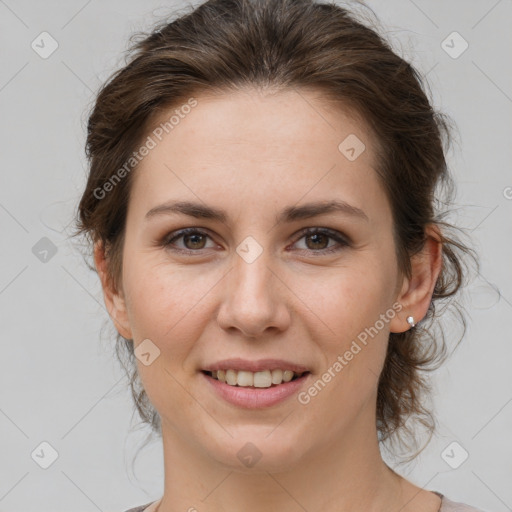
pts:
pixel 270 147
pixel 286 122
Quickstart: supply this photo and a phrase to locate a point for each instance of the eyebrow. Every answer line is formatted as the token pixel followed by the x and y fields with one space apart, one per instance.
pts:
pixel 289 214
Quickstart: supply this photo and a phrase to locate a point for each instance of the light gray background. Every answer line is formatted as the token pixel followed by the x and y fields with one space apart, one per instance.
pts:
pixel 59 382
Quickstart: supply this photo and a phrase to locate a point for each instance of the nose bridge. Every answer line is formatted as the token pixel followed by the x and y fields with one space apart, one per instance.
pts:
pixel 252 302
pixel 252 280
pixel 252 277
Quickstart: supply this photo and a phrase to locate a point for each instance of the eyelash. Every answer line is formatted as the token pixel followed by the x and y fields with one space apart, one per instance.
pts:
pixel 334 235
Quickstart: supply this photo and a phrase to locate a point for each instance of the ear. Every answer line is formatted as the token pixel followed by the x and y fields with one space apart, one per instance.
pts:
pixel 416 293
pixel 114 299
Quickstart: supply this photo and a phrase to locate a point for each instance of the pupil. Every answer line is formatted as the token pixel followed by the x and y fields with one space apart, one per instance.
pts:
pixel 188 237
pixel 316 237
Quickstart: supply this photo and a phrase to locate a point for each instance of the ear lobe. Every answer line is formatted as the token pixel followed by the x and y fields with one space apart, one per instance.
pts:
pixel 114 300
pixel 416 293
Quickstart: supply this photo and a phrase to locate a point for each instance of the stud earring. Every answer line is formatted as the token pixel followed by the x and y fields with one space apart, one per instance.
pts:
pixel 410 321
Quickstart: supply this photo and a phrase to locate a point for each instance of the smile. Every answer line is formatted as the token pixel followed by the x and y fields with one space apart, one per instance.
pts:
pixel 260 379
pixel 255 390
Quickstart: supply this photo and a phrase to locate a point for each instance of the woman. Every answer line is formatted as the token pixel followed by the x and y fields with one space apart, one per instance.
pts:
pixel 261 204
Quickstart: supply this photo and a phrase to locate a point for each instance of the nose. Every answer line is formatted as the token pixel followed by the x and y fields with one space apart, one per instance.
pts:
pixel 254 299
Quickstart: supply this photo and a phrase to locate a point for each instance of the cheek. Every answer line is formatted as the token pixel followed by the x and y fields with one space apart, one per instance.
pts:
pixel 165 302
pixel 173 307
pixel 356 305
pixel 167 306
pixel 349 299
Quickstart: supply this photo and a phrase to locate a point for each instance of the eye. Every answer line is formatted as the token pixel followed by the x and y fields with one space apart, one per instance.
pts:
pixel 317 240
pixel 193 239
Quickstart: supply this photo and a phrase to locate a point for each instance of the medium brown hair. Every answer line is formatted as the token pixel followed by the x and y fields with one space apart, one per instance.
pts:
pixel 224 45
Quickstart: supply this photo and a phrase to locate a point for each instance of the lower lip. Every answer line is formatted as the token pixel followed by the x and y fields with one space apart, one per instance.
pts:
pixel 256 398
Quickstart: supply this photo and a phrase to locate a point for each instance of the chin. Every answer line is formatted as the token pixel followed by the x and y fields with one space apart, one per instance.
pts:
pixel 259 450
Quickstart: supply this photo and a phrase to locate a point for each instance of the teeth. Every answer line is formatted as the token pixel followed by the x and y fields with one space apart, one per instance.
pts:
pixel 244 378
pixel 277 376
pixel 262 379
pixel 231 377
pixel 287 375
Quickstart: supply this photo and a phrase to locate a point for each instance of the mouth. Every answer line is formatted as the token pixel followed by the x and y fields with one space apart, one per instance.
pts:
pixel 259 379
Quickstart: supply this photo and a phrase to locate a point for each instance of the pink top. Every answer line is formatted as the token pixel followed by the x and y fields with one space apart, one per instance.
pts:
pixel 446 506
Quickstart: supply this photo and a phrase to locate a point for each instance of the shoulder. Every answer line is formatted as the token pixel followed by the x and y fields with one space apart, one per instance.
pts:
pixel 140 508
pixel 148 507
pixel 448 505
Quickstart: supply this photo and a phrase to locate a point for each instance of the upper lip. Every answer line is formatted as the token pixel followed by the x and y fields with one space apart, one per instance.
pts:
pixel 255 366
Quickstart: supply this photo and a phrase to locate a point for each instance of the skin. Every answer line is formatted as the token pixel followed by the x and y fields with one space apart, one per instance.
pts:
pixel 253 153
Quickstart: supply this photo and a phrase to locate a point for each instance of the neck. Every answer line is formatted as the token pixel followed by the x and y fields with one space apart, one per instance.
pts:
pixel 342 476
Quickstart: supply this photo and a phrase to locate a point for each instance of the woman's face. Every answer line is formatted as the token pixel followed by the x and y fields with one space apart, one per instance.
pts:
pixel 250 285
